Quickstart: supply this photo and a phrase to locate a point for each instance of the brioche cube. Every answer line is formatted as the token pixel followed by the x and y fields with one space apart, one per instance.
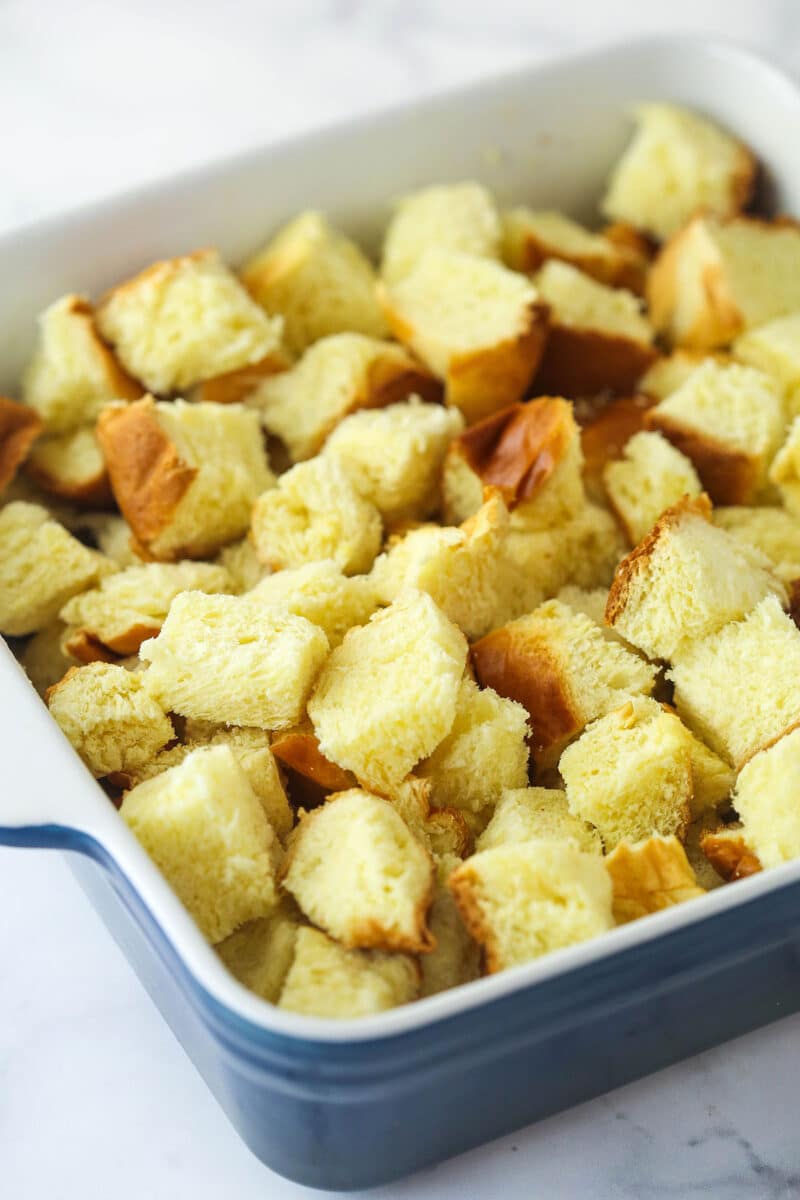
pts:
pixel 557 664
pixel 677 162
pixel 184 475
pixel 671 371
pixel 775 349
pixel 234 661
pixel 240 560
pixel 388 695
pixel 484 753
pixel 767 799
pixel 737 687
pixel 71 466
pixel 773 531
pixel 528 814
pixel 442 831
pixel 651 477
pixel 729 420
pixel 109 717
pixel 394 456
pixel 649 876
pixel 204 828
pixel 531 238
pixel 260 953
pixel 455 216
pixel 785 470
pixel 460 567
pixel 336 376
pixel 606 430
pixel 456 958
pixel 327 980
pixel 20 426
pixel 478 326
pixel 685 581
pixel 317 280
pixel 358 872
pixel 41 567
pixel 728 853
pixel 716 279
pixel 44 659
pixel 599 337
pixel 591 602
pixel 520 902
pixel 320 592
pixel 316 513
pixel 185 320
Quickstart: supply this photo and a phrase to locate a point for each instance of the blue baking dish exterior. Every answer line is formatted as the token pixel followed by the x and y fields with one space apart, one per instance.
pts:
pixel 347 1105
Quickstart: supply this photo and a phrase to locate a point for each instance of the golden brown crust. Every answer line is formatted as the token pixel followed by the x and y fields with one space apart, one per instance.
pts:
pixel 717 320
pixel 729 855
pixel 298 750
pixel 628 237
pixel 122 385
pixel 607 432
pixel 744 179
pixel 729 476
pixel 390 381
pixel 88 647
pixel 627 269
pixel 648 877
pixel 94 492
pixel 148 477
pixel 20 426
pixel 450 824
pixel 583 362
pixel 234 386
pixel 485 380
pixel 462 886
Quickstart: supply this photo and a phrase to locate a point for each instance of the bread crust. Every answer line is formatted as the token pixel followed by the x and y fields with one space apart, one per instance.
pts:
pixel 729 855
pixel 234 386
pixel 298 750
pixel 604 436
pixel 627 269
pixel 717 320
pixel 87 647
pixel 122 385
pixel 461 883
pixel 389 382
pixel 582 362
pixel 94 492
pixel 729 476
pixel 20 426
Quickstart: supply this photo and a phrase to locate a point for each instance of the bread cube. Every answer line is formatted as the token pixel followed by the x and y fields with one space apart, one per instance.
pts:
pixel 234 387
pixel 685 581
pixel 316 513
pixel 775 349
pixel 455 216
pixel 320 592
pixel 767 799
pixel 484 753
pixel 205 830
pixel 716 279
pixel 337 376
pixel 394 456
pixel 185 320
pixel 326 980
pixel 240 560
pixel 114 618
pixel 311 776
pixel 785 470
pixel 651 477
pixel 317 280
pixel 737 687
pixel 44 659
pixel 529 453
pixel 478 326
pixel 599 337
pixel 260 953
pixel 456 957
pixel 773 531
pixel 71 466
pixel 20 426
pixel 520 902
pixel 460 567
pixel 528 814
pixel 41 567
pixel 531 238
pixel 649 876
pixel 388 695
pixel 728 853
pixel 605 432
pixel 557 664
pixel 671 371
pixel 678 162
pixel 358 872
pixel 109 717
pixel 233 661
pixel 184 475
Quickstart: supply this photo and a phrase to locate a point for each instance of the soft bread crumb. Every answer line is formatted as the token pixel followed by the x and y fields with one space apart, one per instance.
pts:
pixel 326 980
pixel 527 814
pixel 767 798
pixel 530 238
pixel 773 531
pixel 651 476
pixel 260 953
pixel 785 471
pixel 71 466
pixel 320 592
pixel 775 348
pixel 649 876
pixel 456 216
pixel 44 659
pixel 456 956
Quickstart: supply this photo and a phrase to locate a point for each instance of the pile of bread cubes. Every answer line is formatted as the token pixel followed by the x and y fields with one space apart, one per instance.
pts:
pixel 428 618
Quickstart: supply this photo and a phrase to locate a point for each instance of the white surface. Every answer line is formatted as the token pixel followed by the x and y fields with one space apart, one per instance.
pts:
pixel 96 1098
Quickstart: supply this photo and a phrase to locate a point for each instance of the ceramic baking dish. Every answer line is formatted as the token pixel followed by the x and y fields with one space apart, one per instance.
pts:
pixel 343 1105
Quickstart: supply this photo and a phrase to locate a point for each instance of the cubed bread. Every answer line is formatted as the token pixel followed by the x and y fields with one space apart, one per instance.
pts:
pixel 358 872
pixel 71 466
pixel 729 854
pixel 630 774
pixel 240 560
pixel 599 337
pixel 729 420
pixel 109 717
pixel 649 876
pixel 715 279
pixel 785 470
pixel 455 216
pixel 316 513
pixel 442 831
pixel 184 475
pixel 327 980
pixel 317 280
pixel 606 430
pixel 529 453
pixel 72 372
pixel 671 371
pixel 320 592
pixel 767 799
pixel 478 326
pixel 335 377
pixel 651 477
pixel 461 567
pixel 20 426
pixel 44 659
pixel 773 531
pixel 677 162
pixel 484 753
pixel 233 661
pixel 520 902
pixel 685 581
pixel 204 828
pixel 557 664
pixel 531 237
pixel 737 688
pixel 528 814
pixel 185 320
pixel 311 777
pixel 260 953
pixel 394 456
pixel 592 602
pixel 41 567
pixel 456 957
pixel 775 348
pixel 388 695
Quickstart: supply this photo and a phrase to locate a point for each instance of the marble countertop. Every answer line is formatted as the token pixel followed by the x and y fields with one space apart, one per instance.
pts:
pixel 96 1097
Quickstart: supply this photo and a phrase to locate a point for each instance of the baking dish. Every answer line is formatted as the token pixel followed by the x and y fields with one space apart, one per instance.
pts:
pixel 345 1105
